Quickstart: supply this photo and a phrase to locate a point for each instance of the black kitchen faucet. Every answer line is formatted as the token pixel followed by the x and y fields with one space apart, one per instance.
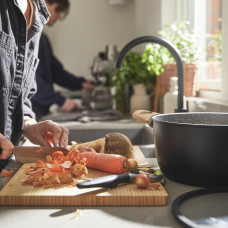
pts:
pixel 173 51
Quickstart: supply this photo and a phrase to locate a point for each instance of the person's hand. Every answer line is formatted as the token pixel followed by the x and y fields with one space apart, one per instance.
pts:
pixel 6 147
pixel 45 133
pixel 88 85
pixel 69 105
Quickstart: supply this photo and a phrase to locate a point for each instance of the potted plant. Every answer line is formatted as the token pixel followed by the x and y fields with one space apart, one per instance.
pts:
pixel 136 70
pixel 187 42
pixel 156 61
pixel 185 39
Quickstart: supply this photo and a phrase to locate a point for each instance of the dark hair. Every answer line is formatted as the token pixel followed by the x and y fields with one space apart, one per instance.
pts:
pixel 63 5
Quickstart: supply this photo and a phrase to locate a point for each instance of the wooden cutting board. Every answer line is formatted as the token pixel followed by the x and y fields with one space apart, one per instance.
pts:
pixel 16 193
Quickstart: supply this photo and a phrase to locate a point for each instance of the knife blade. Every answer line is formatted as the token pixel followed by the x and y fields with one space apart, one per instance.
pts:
pixel 112 181
pixel 30 154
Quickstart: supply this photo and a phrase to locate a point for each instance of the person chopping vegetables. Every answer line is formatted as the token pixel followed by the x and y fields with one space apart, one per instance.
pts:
pixel 50 71
pixel 21 22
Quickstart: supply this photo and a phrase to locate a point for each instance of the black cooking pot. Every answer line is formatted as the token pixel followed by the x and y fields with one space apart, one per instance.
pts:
pixel 191 148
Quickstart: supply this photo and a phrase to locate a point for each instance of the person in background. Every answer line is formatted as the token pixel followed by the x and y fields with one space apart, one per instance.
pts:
pixel 50 70
pixel 21 23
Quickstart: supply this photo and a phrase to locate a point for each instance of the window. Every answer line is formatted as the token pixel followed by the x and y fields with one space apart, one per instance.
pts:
pixel 207 23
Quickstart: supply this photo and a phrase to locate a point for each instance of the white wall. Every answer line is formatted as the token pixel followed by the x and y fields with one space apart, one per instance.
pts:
pixel 171 11
pixel 92 24
pixel 147 17
pixel 89 26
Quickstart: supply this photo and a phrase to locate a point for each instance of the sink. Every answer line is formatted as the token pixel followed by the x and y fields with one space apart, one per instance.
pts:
pixel 139 133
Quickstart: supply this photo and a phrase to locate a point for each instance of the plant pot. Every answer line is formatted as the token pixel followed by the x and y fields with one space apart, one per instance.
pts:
pixel 163 81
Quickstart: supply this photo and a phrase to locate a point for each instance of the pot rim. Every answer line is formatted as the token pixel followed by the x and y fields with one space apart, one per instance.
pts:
pixel 168 121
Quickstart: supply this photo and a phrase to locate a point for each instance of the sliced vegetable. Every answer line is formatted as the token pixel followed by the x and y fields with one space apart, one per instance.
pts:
pixel 68 169
pixel 57 154
pixel 6 173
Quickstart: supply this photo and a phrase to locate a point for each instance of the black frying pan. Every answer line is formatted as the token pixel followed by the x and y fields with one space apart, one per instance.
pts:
pixel 191 148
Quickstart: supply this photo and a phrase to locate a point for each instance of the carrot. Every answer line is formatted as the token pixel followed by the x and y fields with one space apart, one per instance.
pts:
pixel 57 154
pixel 54 166
pixel 39 150
pixel 111 163
pixel 6 173
pixel 40 163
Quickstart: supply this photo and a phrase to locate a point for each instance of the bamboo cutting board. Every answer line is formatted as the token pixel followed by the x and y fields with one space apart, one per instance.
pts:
pixel 16 193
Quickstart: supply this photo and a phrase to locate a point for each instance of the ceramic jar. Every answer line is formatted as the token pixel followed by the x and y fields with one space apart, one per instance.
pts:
pixel 139 99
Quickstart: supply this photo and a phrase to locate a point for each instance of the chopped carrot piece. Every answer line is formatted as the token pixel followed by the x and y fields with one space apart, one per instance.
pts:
pixel 39 150
pixel 40 163
pixel 57 154
pixel 56 168
pixel 48 137
pixel 6 173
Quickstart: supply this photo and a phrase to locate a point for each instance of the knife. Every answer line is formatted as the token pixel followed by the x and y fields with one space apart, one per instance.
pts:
pixel 30 154
pixel 112 181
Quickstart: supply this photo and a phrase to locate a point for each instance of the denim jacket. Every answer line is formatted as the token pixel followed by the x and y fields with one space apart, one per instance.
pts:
pixel 18 62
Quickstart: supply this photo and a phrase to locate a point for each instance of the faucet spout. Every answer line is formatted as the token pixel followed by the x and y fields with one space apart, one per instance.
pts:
pixel 173 51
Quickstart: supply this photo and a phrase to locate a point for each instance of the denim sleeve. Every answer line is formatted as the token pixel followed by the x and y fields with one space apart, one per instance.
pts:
pixel 27 106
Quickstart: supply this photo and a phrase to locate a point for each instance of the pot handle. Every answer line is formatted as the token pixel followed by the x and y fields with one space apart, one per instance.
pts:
pixel 144 116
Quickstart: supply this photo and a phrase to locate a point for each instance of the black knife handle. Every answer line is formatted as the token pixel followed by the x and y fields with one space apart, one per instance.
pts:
pixel 3 162
pixel 110 181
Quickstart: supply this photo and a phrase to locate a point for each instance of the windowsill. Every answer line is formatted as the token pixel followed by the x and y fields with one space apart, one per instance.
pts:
pixel 210 98
pixel 209 101
pixel 210 84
